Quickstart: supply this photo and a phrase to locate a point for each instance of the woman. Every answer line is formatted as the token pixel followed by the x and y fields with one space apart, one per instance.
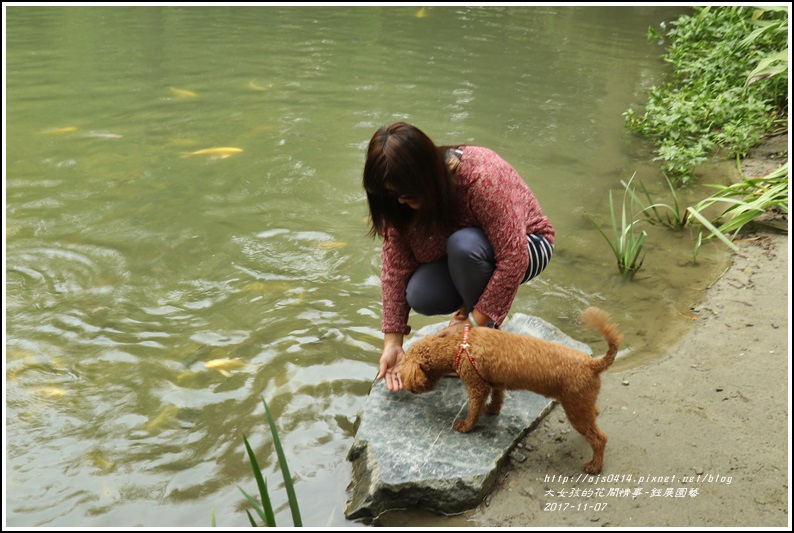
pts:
pixel 461 231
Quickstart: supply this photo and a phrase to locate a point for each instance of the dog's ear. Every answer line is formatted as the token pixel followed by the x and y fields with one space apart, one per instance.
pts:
pixel 422 357
pixel 412 374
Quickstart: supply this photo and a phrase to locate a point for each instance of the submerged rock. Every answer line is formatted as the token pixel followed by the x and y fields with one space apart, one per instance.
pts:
pixel 406 453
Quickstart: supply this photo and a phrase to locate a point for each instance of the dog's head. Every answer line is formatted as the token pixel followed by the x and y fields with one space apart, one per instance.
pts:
pixel 417 372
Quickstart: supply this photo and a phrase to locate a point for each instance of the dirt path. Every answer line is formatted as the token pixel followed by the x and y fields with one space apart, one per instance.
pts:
pixel 697 438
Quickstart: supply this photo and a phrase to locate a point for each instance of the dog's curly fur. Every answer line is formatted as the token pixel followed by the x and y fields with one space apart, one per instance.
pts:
pixel 507 361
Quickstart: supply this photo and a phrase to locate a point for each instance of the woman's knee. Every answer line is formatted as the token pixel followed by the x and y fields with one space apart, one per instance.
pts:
pixel 430 290
pixel 469 244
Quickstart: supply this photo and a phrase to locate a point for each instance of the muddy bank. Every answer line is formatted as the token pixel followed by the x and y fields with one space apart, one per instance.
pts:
pixel 699 437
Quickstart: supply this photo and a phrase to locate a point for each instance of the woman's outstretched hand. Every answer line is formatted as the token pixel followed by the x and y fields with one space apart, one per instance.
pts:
pixel 390 365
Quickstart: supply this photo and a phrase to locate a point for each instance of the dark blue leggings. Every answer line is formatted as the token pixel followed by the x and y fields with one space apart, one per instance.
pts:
pixel 444 286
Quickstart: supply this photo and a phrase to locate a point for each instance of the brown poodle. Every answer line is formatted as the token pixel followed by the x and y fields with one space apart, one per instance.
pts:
pixel 490 361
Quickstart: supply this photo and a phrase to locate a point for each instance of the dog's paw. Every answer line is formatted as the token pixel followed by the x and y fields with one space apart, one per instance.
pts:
pixel 492 409
pixel 462 426
pixel 592 468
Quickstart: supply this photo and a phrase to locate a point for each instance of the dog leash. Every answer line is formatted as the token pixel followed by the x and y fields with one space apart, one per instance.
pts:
pixel 465 347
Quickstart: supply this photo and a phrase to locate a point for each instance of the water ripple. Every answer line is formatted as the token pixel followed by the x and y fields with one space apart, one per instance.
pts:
pixel 130 267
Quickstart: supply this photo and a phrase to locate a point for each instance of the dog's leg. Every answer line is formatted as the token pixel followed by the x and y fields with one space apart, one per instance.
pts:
pixel 583 419
pixel 477 396
pixel 497 399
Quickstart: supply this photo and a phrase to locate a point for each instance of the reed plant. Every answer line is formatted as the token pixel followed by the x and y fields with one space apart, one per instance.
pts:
pixel 744 202
pixel 668 215
pixel 627 243
pixel 265 510
pixel 774 63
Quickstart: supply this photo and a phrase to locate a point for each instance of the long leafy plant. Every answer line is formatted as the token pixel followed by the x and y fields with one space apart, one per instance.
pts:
pixel 743 202
pixel 627 243
pixel 726 86
pixel 265 510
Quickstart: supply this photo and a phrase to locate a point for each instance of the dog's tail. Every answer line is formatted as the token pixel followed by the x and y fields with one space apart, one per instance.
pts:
pixel 597 319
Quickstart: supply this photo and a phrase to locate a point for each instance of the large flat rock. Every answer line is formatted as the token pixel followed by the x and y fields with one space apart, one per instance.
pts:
pixel 406 453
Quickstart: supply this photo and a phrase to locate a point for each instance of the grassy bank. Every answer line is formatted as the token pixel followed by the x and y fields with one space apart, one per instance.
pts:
pixel 729 86
pixel 728 90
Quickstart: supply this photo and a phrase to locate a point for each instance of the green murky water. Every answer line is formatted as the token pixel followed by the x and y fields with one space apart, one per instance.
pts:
pixel 132 260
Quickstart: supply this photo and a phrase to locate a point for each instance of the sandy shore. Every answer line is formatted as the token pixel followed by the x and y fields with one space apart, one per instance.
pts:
pixel 701 437
pixel 698 438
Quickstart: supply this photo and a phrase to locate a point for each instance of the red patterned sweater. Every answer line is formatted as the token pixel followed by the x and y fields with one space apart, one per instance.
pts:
pixel 491 196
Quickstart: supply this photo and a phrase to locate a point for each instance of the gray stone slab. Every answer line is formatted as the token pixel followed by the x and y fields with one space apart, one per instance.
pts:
pixel 406 453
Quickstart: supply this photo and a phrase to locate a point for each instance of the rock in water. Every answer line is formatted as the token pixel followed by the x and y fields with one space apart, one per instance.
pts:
pixel 406 453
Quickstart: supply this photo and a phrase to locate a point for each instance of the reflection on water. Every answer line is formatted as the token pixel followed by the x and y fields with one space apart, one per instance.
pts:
pixel 186 230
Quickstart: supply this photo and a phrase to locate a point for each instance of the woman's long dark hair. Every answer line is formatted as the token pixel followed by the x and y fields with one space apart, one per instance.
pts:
pixel 401 159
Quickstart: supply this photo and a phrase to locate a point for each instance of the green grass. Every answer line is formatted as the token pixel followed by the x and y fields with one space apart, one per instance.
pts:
pixel 736 205
pixel 670 215
pixel 728 88
pixel 265 509
pixel 743 203
pixel 627 243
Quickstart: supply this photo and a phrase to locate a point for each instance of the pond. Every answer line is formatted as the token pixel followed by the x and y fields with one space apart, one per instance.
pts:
pixel 137 251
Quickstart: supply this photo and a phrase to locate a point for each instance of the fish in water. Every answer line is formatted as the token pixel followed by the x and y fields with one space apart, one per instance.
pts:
pixel 331 245
pixel 101 134
pixel 51 392
pixel 183 93
pixel 221 152
pixel 101 462
pixel 55 131
pixel 422 13
pixel 187 377
pixel 166 417
pixel 224 365
pixel 253 84
pixel 268 287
